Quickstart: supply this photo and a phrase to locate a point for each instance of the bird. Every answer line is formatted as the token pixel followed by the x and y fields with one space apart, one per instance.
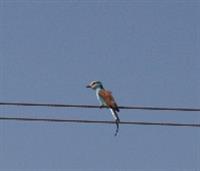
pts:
pixel 106 100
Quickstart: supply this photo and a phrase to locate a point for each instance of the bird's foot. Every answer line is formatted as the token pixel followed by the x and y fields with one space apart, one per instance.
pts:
pixel 102 106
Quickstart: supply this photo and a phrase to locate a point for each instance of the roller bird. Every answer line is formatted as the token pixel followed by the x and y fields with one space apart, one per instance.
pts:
pixel 106 99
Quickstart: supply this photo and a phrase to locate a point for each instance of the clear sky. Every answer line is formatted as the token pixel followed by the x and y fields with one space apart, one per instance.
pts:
pixel 145 52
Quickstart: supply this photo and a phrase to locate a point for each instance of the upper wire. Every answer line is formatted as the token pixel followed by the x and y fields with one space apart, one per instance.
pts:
pixel 95 106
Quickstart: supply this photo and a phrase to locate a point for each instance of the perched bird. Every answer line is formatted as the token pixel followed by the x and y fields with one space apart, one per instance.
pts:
pixel 106 99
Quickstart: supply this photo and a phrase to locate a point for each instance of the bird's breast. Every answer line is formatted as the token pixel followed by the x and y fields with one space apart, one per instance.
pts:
pixel 100 98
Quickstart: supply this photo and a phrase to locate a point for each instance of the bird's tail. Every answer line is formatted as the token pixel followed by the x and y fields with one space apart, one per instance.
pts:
pixel 117 120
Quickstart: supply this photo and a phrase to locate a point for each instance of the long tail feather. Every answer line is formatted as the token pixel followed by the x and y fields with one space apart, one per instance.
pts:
pixel 117 129
pixel 117 120
pixel 114 114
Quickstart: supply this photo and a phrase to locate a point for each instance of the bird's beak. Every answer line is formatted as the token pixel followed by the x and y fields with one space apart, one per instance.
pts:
pixel 88 86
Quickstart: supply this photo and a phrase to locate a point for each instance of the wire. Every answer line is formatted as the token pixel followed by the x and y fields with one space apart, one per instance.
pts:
pixel 99 122
pixel 95 106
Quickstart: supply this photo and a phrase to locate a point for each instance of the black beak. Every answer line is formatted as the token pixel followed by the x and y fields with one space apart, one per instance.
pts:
pixel 88 86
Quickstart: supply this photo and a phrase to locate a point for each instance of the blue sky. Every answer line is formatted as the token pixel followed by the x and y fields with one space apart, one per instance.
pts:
pixel 145 52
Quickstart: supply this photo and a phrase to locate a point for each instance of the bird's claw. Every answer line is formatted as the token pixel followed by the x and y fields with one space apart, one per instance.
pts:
pixel 102 106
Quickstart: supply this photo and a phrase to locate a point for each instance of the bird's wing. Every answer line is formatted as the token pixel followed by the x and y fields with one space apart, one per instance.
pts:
pixel 108 98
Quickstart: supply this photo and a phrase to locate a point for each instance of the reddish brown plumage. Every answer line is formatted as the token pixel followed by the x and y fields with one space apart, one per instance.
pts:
pixel 109 99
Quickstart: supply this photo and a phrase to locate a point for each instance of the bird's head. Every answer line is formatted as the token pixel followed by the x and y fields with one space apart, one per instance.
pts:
pixel 95 84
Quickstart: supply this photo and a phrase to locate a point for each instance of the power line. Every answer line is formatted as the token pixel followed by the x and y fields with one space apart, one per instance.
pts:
pixel 98 122
pixel 95 106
